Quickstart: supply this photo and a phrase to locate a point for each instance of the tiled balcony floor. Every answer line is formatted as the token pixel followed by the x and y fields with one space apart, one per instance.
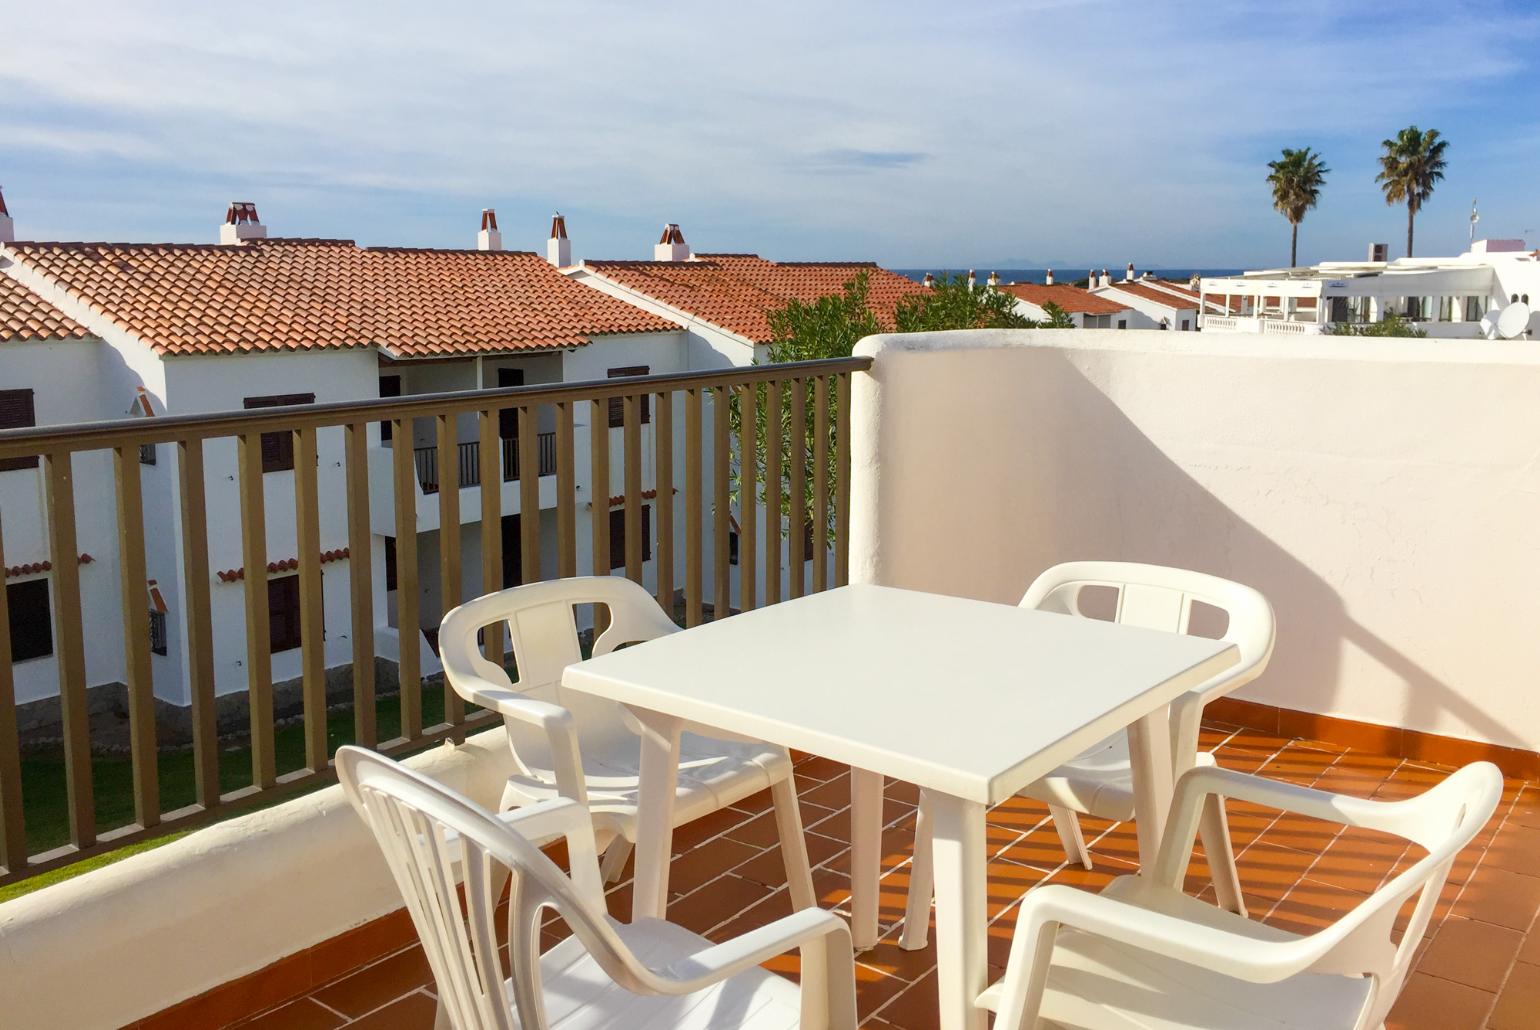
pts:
pixel 1479 966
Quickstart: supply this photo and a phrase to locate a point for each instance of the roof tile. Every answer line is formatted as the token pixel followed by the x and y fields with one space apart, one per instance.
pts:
pixel 1071 298
pixel 26 316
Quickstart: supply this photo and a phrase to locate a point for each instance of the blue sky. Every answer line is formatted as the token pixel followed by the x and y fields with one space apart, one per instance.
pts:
pixel 1070 131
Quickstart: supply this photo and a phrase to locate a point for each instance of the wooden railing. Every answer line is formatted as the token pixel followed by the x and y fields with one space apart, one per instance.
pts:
pixel 816 394
pixel 468 461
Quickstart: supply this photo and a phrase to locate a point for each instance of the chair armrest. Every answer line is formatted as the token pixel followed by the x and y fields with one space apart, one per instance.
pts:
pixel 556 721
pixel 570 820
pixel 721 961
pixel 1046 909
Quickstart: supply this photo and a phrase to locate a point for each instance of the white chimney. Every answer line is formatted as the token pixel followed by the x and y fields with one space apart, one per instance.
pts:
pixel 558 249
pixel 671 245
pixel 1090 280
pixel 971 279
pixel 1128 276
pixel 930 280
pixel 994 278
pixel 241 223
pixel 7 226
pixel 1048 279
pixel 1106 279
pixel 489 238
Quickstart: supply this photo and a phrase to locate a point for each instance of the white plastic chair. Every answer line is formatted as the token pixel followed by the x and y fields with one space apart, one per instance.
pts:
pixel 574 745
pixel 606 974
pixel 1100 781
pixel 1141 953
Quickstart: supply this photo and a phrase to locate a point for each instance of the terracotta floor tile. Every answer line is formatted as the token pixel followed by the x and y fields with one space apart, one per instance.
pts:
pixel 1499 896
pixel 1429 1003
pixel 1017 813
pixel 1516 848
pixel 698 831
pixel 769 867
pixel 374 985
pixel 916 1008
pixel 414 1012
pixel 1301 833
pixel 755 803
pixel 1472 953
pixel 1530 951
pixel 700 865
pixel 1039 848
pixel 1311 906
pixel 833 793
pixel 1295 764
pixel 716 902
pixel 1518 1006
pixel 1526 807
pixel 817 767
pixel 760 830
pixel 1358 859
pixel 304 1014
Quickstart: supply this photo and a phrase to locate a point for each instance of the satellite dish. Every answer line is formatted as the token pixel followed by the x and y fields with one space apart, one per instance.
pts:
pixel 1489 325
pixel 1513 320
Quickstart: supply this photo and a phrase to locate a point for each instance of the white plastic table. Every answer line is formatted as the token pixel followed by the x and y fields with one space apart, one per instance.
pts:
pixel 969 700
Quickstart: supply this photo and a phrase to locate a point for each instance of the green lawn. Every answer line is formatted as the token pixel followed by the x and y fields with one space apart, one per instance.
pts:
pixel 46 810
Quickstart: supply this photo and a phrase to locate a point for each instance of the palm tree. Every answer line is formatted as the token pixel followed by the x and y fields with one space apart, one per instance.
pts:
pixel 1296 179
pixel 1411 164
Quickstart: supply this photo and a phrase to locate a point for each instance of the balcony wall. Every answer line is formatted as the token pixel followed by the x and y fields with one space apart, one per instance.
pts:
pixel 1382 493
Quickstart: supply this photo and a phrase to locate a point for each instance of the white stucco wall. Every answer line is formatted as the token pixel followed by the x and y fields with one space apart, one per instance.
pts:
pixel 1381 493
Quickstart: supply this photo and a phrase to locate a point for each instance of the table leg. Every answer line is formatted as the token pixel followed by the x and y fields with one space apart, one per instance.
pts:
pixel 1149 752
pixel 655 815
pixel 961 915
pixel 865 856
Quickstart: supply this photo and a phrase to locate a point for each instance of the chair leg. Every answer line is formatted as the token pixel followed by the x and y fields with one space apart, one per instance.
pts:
pixel 1068 825
pixel 788 822
pixel 615 856
pixel 922 881
pixel 1214 830
pixel 441 1016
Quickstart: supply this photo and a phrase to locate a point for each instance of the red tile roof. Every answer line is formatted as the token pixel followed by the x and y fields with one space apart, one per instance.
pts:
pixel 1135 289
pixel 283 294
pixel 282 565
pixel 26 316
pixel 735 291
pixel 1071 298
pixel 33 568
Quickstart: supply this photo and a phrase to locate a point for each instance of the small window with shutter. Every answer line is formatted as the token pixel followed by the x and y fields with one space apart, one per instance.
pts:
pixel 618 404
pixel 31 618
pixel 283 620
pixel 618 536
pixel 17 412
pixel 278 447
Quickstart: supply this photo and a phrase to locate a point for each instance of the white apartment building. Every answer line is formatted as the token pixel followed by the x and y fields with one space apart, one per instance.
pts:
pixel 99 331
pixel 1085 309
pixel 1489 292
pixel 1152 303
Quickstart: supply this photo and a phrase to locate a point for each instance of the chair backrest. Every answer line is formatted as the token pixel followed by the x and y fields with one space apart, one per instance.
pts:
pixel 1160 597
pixel 426 830
pixel 1442 820
pixel 542 627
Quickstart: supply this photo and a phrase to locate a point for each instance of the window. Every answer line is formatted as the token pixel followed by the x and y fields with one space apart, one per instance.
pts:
pixel 1446 309
pixel 732 547
pixel 390 386
pixel 1475 308
pixel 1122 323
pixel 1186 325
pixel 508 418
pixel 618 404
pixel 513 551
pixel 283 623
pixel 390 563
pixel 158 632
pixel 618 536
pixel 147 454
pixel 278 447
pixel 31 618
pixel 17 412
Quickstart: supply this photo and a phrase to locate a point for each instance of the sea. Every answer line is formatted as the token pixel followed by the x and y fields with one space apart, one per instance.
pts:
pixel 1064 275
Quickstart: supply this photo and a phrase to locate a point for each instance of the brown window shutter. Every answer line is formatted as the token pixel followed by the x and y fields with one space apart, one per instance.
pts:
pixel 278 447
pixel 618 404
pixel 17 412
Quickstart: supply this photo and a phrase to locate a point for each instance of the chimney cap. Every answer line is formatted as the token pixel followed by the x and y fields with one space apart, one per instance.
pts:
pixel 671 234
pixel 558 227
pixel 240 212
pixel 488 218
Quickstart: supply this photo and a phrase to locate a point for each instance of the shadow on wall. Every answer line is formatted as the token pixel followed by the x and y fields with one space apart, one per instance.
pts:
pixel 1066 472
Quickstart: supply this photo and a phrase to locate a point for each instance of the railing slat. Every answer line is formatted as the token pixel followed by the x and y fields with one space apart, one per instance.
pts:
pixel 663 507
pixel 529 495
pixel 566 492
pixel 599 464
pixel 772 492
pixel 631 436
pixel 748 506
pixel 721 460
pixel 138 675
pixel 820 553
pixel 797 489
pixel 408 632
pixel 312 635
pixel 361 581
pixel 694 503
pixel 491 525
pixel 842 480
pixel 199 621
pixel 446 427
pixel 259 649
pixel 13 827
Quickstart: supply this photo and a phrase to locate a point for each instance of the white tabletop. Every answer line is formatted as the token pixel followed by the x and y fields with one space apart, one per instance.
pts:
pixel 965 697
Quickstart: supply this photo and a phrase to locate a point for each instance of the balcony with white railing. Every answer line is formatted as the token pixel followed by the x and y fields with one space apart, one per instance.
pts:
pixel 1398 554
